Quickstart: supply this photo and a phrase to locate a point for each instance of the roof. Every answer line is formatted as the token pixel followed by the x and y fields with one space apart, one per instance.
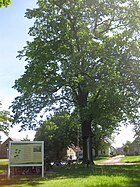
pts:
pixel 137 139
pixel 11 139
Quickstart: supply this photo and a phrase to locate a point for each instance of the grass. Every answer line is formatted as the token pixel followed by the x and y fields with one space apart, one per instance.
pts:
pixel 78 176
pixel 100 159
pixel 3 165
pixel 131 159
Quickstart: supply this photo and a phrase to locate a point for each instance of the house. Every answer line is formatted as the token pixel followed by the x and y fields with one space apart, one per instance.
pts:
pixel 107 151
pixel 134 147
pixel 4 147
pixel 71 153
pixel 74 153
pixel 120 151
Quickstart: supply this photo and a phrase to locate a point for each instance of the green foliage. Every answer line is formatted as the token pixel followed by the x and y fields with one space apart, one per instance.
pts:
pixel 3 165
pixel 4 3
pixel 137 126
pixel 4 121
pixel 81 52
pixel 84 56
pixel 105 122
pixel 58 133
pixel 126 147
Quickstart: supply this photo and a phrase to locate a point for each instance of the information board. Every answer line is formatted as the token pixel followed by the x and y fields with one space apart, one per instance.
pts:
pixel 26 153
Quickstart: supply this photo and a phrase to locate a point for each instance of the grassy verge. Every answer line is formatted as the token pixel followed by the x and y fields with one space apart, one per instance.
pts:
pixel 131 159
pixel 80 176
pixel 100 159
pixel 3 165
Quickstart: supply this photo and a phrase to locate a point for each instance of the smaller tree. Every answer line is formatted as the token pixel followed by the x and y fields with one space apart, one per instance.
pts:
pixel 106 120
pixel 126 147
pixel 58 133
pixel 102 138
pixel 4 121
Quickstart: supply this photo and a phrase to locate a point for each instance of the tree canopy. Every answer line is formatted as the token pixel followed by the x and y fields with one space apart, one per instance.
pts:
pixel 4 3
pixel 84 56
pixel 58 133
pixel 4 121
pixel 126 147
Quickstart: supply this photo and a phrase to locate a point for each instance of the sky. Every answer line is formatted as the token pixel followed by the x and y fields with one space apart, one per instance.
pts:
pixel 14 29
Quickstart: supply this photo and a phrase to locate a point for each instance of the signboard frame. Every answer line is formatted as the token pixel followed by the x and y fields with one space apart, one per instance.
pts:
pixel 32 163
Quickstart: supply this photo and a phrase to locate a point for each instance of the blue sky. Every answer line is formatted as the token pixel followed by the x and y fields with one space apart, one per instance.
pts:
pixel 13 36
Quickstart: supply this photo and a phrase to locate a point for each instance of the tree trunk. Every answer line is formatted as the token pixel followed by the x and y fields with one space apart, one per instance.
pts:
pixel 85 157
pixel 96 151
pixel 86 120
pixel 90 151
pixel 87 143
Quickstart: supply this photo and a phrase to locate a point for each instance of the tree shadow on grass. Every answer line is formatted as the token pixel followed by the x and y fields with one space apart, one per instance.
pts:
pixel 18 180
pixel 130 172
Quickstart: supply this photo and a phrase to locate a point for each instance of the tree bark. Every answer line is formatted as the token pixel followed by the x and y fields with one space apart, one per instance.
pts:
pixel 96 151
pixel 86 120
pixel 85 157
pixel 90 150
pixel 87 143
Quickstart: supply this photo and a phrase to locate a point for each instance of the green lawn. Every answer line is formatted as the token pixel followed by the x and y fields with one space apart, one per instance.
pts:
pixel 100 159
pixel 131 159
pixel 3 165
pixel 79 176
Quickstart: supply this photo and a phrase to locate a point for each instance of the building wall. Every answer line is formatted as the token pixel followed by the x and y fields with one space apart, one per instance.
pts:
pixel 134 147
pixel 71 154
pixel 120 151
pixel 104 152
pixel 4 148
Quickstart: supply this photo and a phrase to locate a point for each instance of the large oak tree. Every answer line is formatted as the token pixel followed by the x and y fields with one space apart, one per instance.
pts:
pixel 83 53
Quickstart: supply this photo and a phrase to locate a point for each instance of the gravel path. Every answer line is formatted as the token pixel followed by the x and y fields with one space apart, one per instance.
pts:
pixel 113 161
